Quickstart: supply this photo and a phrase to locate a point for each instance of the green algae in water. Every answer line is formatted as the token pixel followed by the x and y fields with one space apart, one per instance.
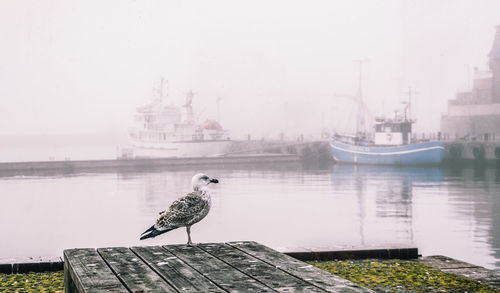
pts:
pixel 32 282
pixel 400 276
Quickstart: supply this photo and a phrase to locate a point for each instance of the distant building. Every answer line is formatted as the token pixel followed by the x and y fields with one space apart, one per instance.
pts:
pixel 476 113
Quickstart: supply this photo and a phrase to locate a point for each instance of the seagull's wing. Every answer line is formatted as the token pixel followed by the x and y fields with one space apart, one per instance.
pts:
pixel 182 211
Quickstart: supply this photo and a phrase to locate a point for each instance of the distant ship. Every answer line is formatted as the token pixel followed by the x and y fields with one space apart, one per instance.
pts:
pixel 392 145
pixel 171 131
pixel 392 142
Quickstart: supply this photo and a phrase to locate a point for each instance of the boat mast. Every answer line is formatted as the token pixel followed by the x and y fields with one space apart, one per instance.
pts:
pixel 218 108
pixel 360 119
pixel 361 110
pixel 188 106
pixel 408 107
pixel 160 89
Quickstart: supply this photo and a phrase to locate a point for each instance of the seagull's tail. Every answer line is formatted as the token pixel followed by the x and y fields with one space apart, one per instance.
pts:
pixel 153 232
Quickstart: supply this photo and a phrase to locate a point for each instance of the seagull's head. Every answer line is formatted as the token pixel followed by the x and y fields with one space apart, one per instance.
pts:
pixel 201 180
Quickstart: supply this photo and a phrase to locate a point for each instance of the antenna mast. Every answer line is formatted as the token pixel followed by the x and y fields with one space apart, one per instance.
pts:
pixel 218 108
pixel 360 119
pixel 408 107
pixel 160 89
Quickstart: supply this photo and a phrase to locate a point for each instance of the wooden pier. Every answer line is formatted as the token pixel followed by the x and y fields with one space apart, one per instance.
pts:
pixel 213 267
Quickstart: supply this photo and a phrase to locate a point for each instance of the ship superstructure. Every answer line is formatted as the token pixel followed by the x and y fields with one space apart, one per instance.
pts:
pixel 167 130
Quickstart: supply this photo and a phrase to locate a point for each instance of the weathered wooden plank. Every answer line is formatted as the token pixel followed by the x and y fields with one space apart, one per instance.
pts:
pixel 177 273
pixel 308 273
pixel 216 270
pixel 257 269
pixel 86 271
pixel 132 271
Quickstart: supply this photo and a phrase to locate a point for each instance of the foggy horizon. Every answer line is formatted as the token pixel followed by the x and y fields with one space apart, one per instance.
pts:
pixel 83 67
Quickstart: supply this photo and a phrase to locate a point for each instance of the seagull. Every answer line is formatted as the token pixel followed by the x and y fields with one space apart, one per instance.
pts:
pixel 185 211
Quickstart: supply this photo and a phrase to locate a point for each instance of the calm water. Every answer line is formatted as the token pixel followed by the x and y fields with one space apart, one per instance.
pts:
pixel 440 211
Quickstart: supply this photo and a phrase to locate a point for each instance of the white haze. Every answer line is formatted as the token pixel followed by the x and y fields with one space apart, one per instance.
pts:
pixel 75 67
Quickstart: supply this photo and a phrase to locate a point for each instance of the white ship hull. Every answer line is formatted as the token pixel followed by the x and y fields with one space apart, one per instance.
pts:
pixel 181 149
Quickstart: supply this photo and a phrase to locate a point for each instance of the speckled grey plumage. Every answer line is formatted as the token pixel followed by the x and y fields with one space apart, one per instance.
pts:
pixel 185 211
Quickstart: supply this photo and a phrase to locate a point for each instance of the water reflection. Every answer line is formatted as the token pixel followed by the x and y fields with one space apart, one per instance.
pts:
pixel 454 212
pixel 385 195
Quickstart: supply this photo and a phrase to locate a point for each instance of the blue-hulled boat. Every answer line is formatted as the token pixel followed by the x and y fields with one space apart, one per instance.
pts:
pixel 392 145
pixel 426 153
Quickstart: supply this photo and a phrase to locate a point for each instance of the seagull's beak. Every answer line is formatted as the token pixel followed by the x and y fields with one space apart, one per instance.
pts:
pixel 214 181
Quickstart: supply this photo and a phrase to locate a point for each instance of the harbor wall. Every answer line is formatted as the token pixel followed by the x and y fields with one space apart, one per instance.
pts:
pixel 13 168
pixel 472 151
pixel 456 152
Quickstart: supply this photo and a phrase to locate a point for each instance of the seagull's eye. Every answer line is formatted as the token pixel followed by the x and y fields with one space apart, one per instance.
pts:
pixel 204 178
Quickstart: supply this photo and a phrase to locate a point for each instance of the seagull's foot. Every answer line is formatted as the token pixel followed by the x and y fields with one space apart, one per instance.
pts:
pixel 191 244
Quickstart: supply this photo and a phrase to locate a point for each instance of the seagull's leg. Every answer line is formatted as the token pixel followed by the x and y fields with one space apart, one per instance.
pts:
pixel 188 230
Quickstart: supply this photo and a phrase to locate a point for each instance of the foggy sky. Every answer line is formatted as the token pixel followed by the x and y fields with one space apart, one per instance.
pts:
pixel 82 67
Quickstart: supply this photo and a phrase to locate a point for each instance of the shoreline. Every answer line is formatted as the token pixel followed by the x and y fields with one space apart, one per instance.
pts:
pixel 20 168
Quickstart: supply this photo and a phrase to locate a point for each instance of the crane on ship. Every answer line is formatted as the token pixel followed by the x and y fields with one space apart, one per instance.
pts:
pixel 362 110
